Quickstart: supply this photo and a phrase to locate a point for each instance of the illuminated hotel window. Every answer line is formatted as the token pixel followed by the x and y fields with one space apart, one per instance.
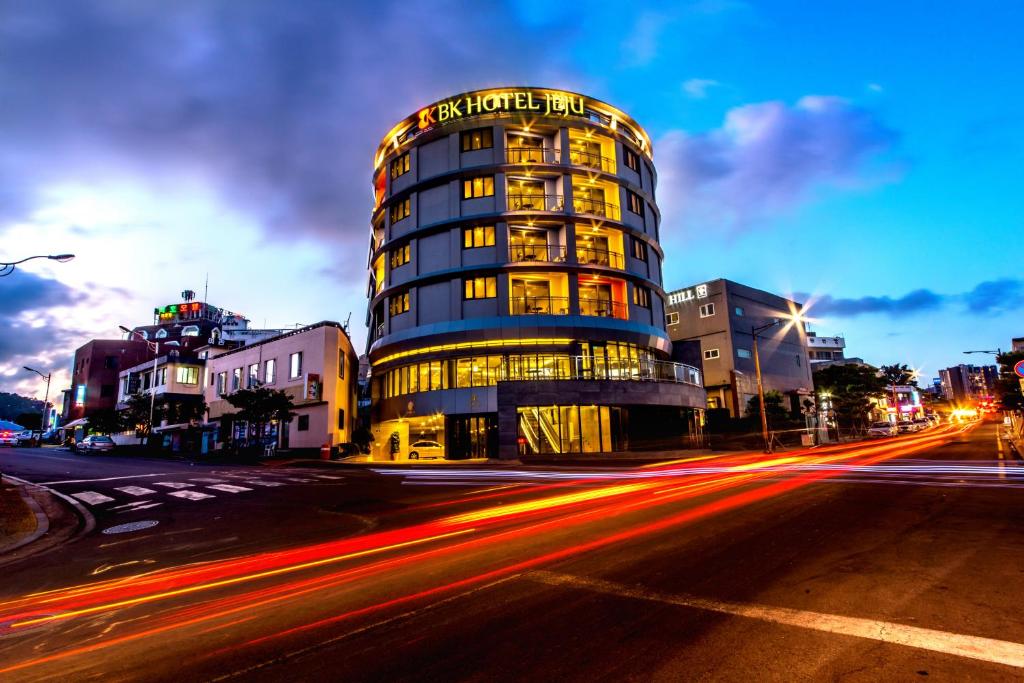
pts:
pixel 190 331
pixel 399 257
pixel 641 296
pixel 634 203
pixel 639 249
pixel 478 187
pixel 398 304
pixel 186 375
pixel 630 159
pixel 400 166
pixel 479 138
pixel 480 236
pixel 481 288
pixel 400 210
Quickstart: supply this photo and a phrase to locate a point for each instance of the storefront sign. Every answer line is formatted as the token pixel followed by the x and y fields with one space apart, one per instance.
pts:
pixel 510 101
pixel 698 292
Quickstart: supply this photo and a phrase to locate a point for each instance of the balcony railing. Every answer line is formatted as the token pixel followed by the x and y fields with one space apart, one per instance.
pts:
pixel 535 202
pixel 552 367
pixel 603 308
pixel 542 253
pixel 540 305
pixel 578 157
pixel 531 155
pixel 588 256
pixel 596 207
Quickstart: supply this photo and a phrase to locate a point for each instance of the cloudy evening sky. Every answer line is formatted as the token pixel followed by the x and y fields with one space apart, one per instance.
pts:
pixel 865 154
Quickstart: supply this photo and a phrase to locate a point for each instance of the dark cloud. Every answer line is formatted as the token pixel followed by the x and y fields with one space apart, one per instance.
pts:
pixel 23 291
pixel 764 159
pixel 276 106
pixel 990 298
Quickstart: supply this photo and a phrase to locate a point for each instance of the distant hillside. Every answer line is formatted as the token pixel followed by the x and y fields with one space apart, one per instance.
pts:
pixel 13 405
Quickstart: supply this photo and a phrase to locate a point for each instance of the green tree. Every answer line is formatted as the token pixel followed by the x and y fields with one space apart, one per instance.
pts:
pixel 135 415
pixel 260 406
pixel 898 375
pixel 773 408
pixel 850 389
pixel 29 420
pixel 105 421
pixel 1008 389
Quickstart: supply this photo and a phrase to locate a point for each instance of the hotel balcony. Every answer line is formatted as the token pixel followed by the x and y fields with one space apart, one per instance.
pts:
pixel 532 155
pixel 596 207
pixel 535 202
pixel 604 308
pixel 539 305
pixel 587 159
pixel 536 253
pixel 590 256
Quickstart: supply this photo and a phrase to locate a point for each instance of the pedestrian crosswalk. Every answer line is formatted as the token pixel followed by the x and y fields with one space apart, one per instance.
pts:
pixel 131 497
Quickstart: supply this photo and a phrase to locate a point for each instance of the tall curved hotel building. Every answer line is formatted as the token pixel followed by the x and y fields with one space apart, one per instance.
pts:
pixel 516 304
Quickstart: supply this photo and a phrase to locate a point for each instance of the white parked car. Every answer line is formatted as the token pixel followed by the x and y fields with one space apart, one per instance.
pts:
pixel 882 429
pixel 426 450
pixel 95 442
pixel 906 427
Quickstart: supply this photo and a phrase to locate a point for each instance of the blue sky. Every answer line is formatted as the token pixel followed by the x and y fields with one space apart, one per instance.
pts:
pixel 863 154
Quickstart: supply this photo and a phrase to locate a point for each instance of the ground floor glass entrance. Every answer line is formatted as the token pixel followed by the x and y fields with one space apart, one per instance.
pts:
pixel 569 429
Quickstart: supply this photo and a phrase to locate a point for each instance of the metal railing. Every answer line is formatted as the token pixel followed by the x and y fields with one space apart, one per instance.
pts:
pixel 535 202
pixel 578 157
pixel 603 308
pixel 540 305
pixel 553 367
pixel 596 207
pixel 588 256
pixel 545 253
pixel 531 155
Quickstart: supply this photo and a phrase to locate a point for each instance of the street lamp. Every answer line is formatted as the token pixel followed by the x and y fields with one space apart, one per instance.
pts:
pixel 155 347
pixel 46 397
pixel 754 332
pixel 8 268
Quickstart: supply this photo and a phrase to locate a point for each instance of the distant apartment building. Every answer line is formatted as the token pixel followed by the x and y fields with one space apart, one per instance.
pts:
pixel 721 315
pixel 968 382
pixel 315 365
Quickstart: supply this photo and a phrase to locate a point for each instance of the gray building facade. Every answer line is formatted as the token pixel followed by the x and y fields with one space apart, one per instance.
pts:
pixel 514 244
pixel 720 315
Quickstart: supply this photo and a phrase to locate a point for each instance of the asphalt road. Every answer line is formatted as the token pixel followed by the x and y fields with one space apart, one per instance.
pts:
pixel 897 560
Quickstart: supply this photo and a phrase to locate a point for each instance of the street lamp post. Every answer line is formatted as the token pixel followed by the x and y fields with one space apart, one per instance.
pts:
pixel 46 397
pixel 754 332
pixel 8 268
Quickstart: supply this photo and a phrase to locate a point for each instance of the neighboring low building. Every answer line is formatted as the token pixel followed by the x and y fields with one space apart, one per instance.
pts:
pixel 822 349
pixel 318 368
pixel 94 376
pixel 721 315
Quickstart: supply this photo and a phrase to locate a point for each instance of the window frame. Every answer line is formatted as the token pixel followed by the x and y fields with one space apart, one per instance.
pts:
pixel 641 296
pixel 401 210
pixel 294 373
pixel 639 249
pixel 270 371
pixel 472 286
pixel 469 237
pixel 486 139
pixel 707 310
pixel 743 353
pixel 712 354
pixel 402 165
pixel 634 203
pixel 398 304
pixel 400 256
pixel 630 159
pixel 672 318
pixel 486 187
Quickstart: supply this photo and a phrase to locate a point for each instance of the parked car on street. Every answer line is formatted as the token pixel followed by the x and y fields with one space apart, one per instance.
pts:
pixel 94 443
pixel 426 450
pixel 906 427
pixel 882 429
pixel 8 438
pixel 922 423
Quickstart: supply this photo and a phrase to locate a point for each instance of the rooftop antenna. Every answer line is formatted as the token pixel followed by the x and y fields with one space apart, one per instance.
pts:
pixel 347 321
pixel 206 289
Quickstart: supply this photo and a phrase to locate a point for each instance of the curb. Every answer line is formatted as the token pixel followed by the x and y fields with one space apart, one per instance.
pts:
pixel 88 520
pixel 42 522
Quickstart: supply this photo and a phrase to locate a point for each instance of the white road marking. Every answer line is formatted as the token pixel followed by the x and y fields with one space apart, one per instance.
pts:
pixel 958 644
pixel 228 488
pixel 92 498
pixel 173 484
pixel 135 490
pixel 132 504
pixel 299 480
pixel 206 480
pixel 143 507
pixel 190 495
pixel 89 481
pixel 327 476
pixel 260 482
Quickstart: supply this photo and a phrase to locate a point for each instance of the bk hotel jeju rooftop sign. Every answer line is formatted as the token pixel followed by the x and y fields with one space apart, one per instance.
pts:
pixel 528 102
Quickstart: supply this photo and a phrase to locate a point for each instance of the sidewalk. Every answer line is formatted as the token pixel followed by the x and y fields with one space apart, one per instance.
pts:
pixel 22 519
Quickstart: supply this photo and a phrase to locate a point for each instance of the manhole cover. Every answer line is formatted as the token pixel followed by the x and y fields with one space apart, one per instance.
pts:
pixel 131 526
